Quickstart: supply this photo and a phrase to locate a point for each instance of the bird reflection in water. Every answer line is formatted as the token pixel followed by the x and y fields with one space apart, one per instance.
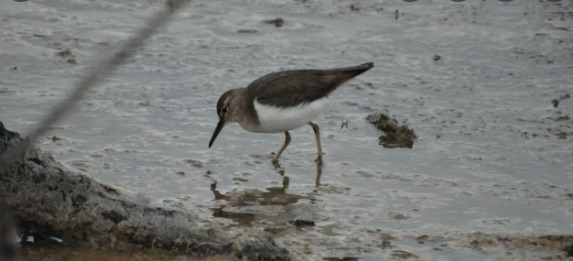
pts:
pixel 281 171
pixel 237 203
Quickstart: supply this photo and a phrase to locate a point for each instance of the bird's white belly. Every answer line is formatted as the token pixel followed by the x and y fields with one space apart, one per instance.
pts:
pixel 275 119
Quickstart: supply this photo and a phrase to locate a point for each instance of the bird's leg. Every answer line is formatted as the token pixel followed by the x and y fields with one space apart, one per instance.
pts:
pixel 317 134
pixel 318 172
pixel 287 141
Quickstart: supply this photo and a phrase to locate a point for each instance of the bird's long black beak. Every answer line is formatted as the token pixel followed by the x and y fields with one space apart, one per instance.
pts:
pixel 216 132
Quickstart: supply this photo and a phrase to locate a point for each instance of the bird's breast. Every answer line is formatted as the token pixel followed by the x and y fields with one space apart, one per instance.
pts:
pixel 276 119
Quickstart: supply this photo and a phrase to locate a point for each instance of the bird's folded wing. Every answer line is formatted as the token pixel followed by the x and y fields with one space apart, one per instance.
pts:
pixel 292 88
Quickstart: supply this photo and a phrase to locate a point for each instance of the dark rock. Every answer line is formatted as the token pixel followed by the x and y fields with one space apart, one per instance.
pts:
pixel 50 200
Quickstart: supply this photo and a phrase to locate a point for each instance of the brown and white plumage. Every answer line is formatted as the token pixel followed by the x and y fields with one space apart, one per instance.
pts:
pixel 281 101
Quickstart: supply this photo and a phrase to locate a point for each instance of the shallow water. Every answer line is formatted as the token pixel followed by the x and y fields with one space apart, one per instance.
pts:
pixel 475 80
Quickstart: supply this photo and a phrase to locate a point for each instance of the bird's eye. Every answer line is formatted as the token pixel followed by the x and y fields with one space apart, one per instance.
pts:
pixel 225 110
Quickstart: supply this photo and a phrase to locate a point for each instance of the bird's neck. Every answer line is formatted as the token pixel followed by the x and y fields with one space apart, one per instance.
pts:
pixel 244 105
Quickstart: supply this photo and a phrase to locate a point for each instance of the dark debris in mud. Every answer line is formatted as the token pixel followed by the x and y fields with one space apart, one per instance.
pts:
pixel 396 135
pixel 556 101
pixel 67 56
pixel 247 31
pixel 346 258
pixel 299 223
pixel 401 254
pixel 278 22
pixel 561 131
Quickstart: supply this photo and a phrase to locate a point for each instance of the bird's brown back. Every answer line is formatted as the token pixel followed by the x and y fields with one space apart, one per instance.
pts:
pixel 294 87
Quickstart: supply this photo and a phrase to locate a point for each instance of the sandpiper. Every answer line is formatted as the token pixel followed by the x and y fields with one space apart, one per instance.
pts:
pixel 282 101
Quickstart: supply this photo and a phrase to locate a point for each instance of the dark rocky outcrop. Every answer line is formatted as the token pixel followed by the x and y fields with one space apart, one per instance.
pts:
pixel 49 200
